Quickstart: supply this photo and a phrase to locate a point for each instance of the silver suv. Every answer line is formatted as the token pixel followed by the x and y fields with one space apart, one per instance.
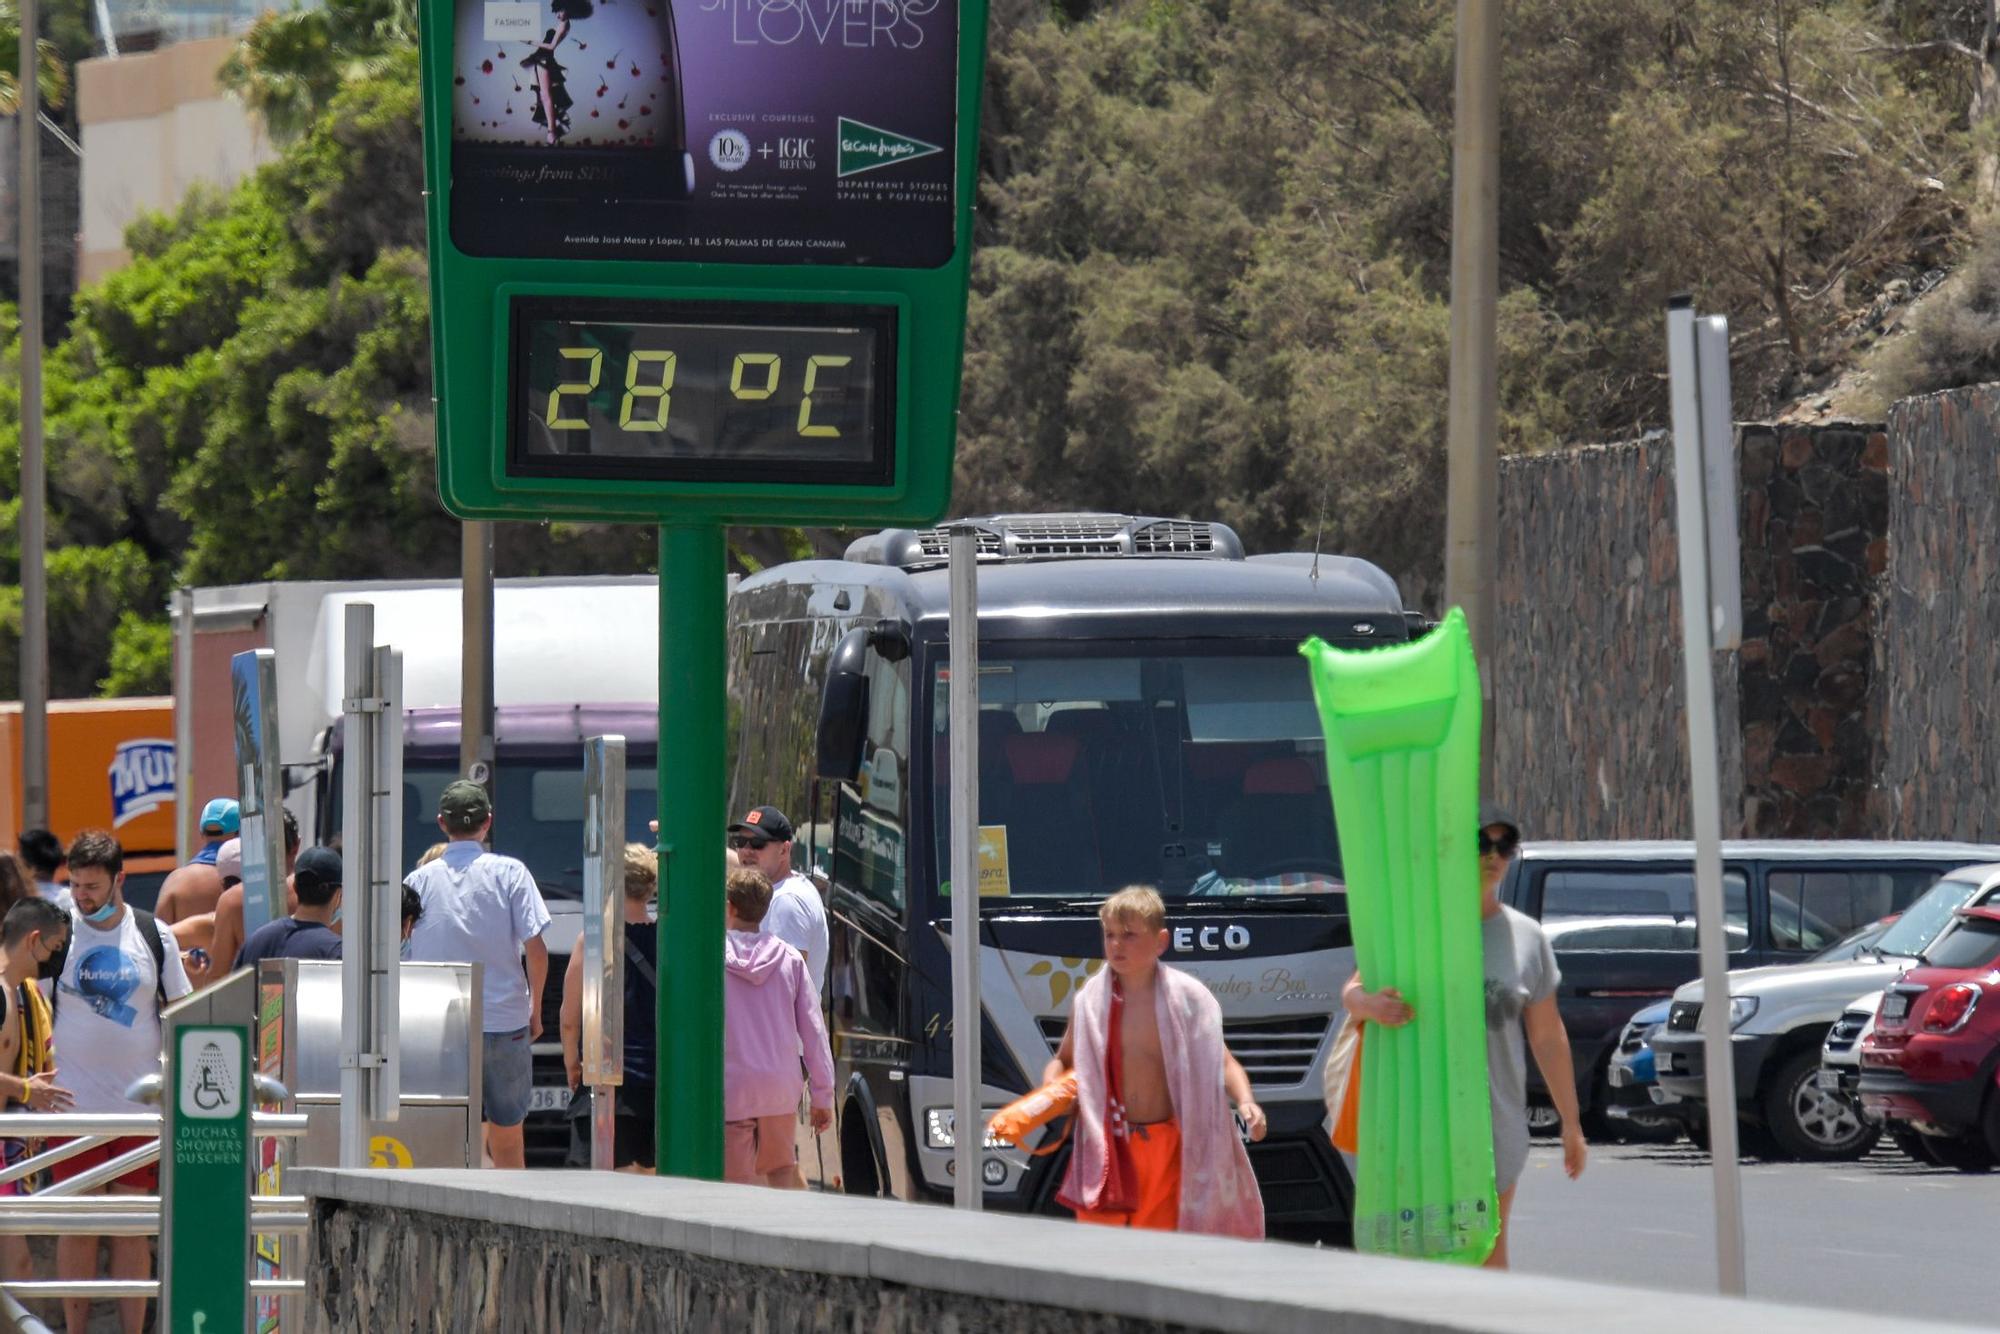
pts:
pixel 1780 1017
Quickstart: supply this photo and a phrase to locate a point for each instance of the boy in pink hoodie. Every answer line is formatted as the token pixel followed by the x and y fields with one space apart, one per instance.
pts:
pixel 770 1015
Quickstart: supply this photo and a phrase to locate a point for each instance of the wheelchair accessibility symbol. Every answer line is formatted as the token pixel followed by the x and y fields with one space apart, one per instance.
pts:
pixel 210 1073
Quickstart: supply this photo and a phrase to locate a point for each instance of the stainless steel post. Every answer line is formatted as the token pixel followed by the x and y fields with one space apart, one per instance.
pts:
pixel 968 1127
pixel 358 812
pixel 1472 444
pixel 381 913
pixel 475 715
pixel 1705 791
pixel 603 1038
pixel 34 532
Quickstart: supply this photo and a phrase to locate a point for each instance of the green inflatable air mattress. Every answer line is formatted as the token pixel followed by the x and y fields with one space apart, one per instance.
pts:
pixel 1402 757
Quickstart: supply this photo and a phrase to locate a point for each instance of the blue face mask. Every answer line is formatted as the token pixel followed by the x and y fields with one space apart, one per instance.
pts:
pixel 102 914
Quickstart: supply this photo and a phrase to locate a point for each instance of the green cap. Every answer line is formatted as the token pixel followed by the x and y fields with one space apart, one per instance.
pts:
pixel 464 804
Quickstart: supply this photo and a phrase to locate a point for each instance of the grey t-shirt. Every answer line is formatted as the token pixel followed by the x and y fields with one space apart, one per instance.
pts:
pixel 1520 970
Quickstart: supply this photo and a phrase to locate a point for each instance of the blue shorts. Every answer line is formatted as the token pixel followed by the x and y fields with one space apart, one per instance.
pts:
pixel 507 1077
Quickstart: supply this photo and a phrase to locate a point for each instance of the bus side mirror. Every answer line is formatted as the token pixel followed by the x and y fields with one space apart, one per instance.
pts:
pixel 843 709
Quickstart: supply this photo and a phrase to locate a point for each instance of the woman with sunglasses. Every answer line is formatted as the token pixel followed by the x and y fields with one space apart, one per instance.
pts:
pixel 1521 979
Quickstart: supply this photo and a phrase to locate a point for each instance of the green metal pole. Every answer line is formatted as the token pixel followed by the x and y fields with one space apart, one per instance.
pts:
pixel 693 811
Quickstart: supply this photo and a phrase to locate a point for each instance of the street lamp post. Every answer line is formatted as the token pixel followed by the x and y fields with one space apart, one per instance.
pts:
pixel 34 482
pixel 1472 486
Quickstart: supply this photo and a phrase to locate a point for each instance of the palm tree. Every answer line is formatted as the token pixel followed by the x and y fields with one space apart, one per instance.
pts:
pixel 52 79
pixel 289 65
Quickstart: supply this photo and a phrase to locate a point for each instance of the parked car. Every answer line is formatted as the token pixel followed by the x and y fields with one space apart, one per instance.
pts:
pixel 1633 1099
pixel 1621 920
pixel 1780 1018
pixel 1930 1061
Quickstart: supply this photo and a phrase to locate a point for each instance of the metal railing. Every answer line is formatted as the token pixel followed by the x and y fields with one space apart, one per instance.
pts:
pixel 66 1208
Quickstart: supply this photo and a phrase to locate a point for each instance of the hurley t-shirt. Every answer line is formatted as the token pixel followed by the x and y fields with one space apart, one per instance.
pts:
pixel 288 938
pixel 481 907
pixel 108 1011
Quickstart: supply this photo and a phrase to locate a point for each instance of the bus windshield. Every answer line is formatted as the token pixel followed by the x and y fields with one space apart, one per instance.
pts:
pixel 1106 765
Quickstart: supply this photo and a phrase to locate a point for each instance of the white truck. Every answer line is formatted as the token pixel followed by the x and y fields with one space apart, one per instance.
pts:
pixel 573 657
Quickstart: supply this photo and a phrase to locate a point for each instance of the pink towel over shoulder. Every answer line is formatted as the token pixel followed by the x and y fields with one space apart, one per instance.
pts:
pixel 1219 1192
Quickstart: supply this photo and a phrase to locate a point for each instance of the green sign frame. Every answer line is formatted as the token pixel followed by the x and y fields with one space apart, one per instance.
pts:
pixel 205 1158
pixel 470 330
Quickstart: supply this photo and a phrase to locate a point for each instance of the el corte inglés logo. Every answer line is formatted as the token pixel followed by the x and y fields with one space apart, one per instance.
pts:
pixel 866 147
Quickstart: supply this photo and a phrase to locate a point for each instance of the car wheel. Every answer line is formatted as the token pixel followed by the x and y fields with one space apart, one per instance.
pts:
pixel 1812 1123
pixel 1989 1123
pixel 1697 1132
pixel 1962 1153
pixel 1543 1119
pixel 1915 1145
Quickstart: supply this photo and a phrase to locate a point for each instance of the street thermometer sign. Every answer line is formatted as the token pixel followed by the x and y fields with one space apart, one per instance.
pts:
pixel 694 263
pixel 699 260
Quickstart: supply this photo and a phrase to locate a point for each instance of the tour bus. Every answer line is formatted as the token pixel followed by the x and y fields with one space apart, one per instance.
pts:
pixel 1145 718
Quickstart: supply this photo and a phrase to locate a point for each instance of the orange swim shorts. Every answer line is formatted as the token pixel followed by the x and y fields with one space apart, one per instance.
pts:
pixel 1156 1158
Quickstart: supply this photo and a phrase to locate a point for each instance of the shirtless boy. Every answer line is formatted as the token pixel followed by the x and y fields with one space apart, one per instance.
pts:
pixel 1155 1144
pixel 33 937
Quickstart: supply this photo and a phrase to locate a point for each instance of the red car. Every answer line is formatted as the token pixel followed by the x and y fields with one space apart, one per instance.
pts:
pixel 1929 1067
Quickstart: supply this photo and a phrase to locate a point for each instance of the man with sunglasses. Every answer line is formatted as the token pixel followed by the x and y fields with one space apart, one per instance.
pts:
pixel 762 840
pixel 1521 978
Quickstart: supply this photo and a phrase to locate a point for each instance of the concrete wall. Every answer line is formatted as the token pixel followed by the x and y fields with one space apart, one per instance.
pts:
pixel 1590 729
pixel 153 125
pixel 1939 650
pixel 539 1251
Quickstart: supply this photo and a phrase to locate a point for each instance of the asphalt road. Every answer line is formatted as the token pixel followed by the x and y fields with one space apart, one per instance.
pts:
pixel 1883 1234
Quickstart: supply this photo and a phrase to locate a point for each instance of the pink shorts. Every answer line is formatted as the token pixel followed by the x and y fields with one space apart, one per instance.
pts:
pixel 754 1148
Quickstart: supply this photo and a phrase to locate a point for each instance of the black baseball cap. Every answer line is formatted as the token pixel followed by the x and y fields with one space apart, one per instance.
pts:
pixel 765 822
pixel 1491 813
pixel 464 804
pixel 321 866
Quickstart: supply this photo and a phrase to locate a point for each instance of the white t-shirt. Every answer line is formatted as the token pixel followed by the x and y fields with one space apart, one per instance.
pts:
pixel 798 917
pixel 107 1030
pixel 481 907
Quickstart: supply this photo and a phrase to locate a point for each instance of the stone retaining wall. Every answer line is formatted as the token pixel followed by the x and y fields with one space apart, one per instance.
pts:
pixel 379 1269
pixel 1589 736
pixel 1939 651
pixel 1590 730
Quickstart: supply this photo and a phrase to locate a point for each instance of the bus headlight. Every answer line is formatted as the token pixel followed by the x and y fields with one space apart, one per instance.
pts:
pixel 940 1129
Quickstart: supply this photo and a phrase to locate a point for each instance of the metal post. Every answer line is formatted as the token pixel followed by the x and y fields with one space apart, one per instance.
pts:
pixel 603 1041
pixel 378 917
pixel 475 714
pixel 968 1126
pixel 184 811
pixel 358 811
pixel 34 532
pixel 693 704
pixel 1705 792
pixel 1472 479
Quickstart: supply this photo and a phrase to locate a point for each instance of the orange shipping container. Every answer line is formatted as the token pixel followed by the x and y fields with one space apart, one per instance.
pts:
pixel 111 766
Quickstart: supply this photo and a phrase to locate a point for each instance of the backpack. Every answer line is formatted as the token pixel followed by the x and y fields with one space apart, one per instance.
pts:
pixel 149 929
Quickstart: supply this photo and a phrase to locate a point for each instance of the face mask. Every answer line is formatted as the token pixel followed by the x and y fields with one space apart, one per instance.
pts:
pixel 102 914
pixel 52 966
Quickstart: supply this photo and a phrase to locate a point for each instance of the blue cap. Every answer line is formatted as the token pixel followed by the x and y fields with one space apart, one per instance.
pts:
pixel 221 815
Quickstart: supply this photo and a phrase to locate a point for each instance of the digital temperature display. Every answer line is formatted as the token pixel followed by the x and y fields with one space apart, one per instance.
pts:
pixel 722 391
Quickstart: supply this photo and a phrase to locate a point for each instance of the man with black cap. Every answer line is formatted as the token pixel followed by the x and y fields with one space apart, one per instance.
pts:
pixel 762 840
pixel 1521 978
pixel 481 907
pixel 308 933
